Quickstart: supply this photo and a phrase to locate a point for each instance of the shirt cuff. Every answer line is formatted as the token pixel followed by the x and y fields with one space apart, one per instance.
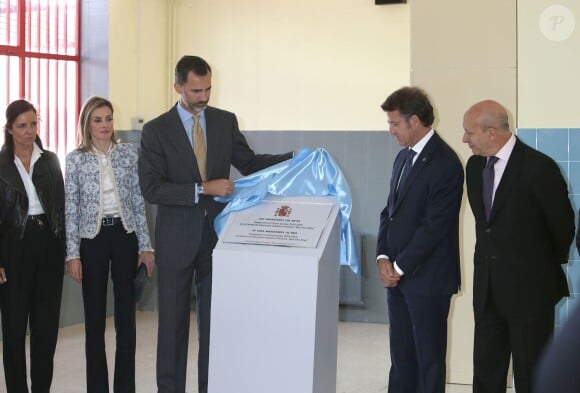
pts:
pixel 397 268
pixel 196 200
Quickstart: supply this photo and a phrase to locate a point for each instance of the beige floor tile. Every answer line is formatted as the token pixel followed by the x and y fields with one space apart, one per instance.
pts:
pixel 363 358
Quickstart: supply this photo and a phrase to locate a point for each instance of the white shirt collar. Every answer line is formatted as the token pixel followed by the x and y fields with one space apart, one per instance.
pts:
pixel 506 150
pixel 419 146
pixel 36 152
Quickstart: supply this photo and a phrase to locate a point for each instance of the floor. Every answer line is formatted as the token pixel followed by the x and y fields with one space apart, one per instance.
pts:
pixel 362 358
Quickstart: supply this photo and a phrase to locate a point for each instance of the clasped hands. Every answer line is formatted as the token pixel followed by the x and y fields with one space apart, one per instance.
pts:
pixel 387 273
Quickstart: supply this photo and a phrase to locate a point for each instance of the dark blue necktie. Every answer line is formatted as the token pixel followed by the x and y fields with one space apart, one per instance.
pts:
pixel 488 178
pixel 406 169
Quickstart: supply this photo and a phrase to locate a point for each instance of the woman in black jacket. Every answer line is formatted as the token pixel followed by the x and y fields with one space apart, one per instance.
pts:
pixel 31 250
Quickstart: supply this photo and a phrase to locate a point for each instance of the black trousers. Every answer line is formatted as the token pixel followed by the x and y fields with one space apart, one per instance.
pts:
pixel 31 297
pixel 497 336
pixel 115 249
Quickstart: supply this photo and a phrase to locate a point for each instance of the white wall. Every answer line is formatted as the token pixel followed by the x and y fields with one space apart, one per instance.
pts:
pixel 548 82
pixel 279 65
pixel 463 52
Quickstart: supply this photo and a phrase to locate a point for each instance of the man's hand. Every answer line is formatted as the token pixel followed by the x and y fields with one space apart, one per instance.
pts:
pixel 218 187
pixel 387 273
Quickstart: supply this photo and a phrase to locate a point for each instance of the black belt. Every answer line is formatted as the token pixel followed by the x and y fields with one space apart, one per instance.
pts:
pixel 38 219
pixel 111 221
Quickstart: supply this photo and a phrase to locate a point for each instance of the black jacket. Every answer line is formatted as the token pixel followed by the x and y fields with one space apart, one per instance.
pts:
pixel 48 180
pixel 520 249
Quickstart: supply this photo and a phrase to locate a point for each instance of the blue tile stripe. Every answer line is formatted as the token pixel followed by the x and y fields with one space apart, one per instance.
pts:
pixel 563 145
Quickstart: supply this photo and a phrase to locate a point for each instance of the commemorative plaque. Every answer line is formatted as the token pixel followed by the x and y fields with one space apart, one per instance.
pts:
pixel 274 223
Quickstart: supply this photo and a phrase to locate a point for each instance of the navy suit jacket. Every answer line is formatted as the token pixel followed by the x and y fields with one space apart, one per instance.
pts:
pixel 420 230
pixel 518 252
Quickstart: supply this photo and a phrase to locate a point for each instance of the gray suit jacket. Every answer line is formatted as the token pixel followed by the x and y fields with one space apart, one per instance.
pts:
pixel 168 174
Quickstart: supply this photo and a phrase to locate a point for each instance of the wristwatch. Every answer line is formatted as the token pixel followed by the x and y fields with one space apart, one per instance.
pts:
pixel 200 189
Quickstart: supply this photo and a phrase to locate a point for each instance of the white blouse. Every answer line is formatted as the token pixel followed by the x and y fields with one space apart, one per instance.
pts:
pixel 109 198
pixel 34 205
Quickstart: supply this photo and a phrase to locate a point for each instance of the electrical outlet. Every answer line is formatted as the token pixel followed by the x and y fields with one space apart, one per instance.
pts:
pixel 137 123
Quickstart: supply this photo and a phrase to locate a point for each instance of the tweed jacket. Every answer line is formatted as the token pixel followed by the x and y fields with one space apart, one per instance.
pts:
pixel 83 196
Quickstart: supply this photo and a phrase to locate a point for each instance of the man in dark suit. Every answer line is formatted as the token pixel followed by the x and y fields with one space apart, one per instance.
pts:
pixel 557 369
pixel 183 185
pixel 418 244
pixel 524 226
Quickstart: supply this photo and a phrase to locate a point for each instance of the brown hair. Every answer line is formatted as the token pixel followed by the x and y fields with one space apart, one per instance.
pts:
pixel 13 110
pixel 84 133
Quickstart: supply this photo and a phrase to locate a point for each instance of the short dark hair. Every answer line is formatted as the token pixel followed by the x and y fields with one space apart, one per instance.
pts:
pixel 13 110
pixel 411 101
pixel 190 63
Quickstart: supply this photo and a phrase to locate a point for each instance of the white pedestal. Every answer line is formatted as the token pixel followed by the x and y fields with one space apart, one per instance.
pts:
pixel 274 317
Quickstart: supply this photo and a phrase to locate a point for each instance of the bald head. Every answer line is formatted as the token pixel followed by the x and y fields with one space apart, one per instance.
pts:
pixel 489 113
pixel 486 127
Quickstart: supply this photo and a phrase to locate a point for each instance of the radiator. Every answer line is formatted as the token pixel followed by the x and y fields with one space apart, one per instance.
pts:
pixel 351 292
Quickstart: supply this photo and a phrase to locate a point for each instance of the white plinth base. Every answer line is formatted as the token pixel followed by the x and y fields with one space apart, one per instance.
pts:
pixel 274 320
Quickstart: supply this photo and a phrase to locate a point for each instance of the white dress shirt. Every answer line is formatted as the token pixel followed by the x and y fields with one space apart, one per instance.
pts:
pixel 503 156
pixel 34 205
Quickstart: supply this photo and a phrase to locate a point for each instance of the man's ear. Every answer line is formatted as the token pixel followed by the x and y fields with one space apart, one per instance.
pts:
pixel 414 121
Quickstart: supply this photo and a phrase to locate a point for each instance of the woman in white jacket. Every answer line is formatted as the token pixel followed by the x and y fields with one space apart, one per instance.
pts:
pixel 106 229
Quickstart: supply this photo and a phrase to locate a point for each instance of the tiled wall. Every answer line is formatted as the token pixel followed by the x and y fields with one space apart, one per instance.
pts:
pixel 365 159
pixel 563 145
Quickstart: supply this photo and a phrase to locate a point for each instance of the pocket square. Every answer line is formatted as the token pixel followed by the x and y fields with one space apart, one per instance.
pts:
pixel 139 281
